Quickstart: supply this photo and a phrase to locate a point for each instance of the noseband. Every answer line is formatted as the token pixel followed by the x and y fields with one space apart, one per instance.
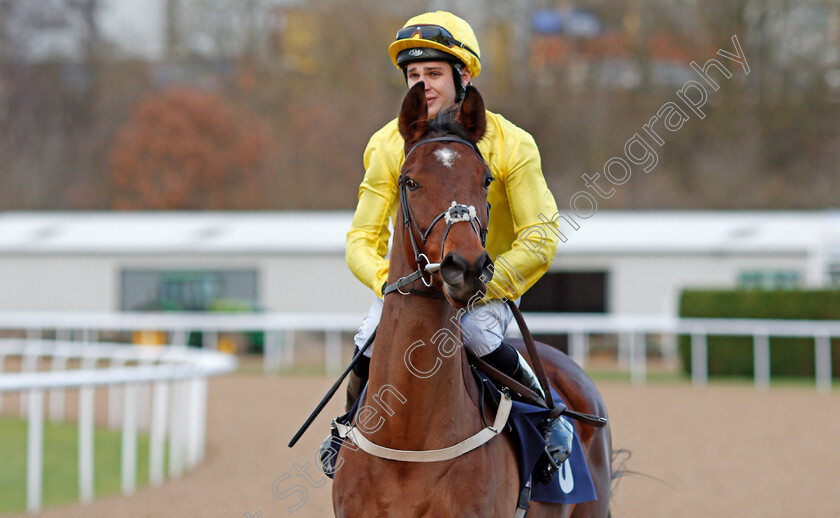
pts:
pixel 456 212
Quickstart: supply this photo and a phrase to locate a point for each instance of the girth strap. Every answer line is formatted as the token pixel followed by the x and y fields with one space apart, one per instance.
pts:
pixel 442 454
pixel 524 501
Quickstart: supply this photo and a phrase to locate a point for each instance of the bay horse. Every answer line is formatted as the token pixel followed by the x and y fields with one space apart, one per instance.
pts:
pixel 406 411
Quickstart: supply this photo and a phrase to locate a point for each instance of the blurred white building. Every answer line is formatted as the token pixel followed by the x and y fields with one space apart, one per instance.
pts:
pixel 617 262
pixel 153 30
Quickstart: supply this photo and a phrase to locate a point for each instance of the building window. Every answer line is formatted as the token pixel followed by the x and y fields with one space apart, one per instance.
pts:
pixel 189 290
pixel 834 276
pixel 769 280
pixel 568 292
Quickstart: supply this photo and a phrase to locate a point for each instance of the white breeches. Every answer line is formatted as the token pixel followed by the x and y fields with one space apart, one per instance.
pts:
pixel 486 325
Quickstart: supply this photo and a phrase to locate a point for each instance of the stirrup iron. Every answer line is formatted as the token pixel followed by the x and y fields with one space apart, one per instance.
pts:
pixel 558 433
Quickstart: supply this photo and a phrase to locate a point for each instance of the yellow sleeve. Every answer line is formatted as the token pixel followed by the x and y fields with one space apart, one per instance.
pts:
pixel 533 249
pixel 367 240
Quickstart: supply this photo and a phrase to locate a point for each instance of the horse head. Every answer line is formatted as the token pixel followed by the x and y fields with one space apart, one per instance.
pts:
pixel 443 195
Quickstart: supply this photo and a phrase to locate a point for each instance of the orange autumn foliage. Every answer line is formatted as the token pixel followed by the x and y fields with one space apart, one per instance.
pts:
pixel 189 149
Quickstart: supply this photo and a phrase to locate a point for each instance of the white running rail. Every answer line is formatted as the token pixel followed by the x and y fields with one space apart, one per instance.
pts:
pixel 632 332
pixel 178 379
pixel 280 329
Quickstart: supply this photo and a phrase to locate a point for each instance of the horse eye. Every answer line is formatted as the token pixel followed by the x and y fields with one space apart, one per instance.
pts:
pixel 411 184
pixel 487 181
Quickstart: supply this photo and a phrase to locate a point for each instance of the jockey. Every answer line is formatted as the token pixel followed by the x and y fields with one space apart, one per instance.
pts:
pixel 441 50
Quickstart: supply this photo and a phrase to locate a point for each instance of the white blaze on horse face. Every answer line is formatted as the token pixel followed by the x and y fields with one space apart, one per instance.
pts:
pixel 446 156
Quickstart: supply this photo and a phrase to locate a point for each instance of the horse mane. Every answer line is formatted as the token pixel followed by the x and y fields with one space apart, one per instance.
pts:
pixel 446 122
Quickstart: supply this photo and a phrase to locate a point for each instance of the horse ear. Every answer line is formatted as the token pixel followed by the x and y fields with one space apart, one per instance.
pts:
pixel 414 114
pixel 472 116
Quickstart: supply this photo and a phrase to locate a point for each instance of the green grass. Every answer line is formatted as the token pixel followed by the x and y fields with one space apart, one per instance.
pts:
pixel 652 376
pixel 61 479
pixel 608 374
pixel 678 377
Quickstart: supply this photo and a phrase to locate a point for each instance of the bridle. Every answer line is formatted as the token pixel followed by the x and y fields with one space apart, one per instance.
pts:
pixel 456 212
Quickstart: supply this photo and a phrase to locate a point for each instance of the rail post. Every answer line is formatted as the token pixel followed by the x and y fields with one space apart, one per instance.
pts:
pixel 699 358
pixel 761 359
pixel 638 358
pixel 822 355
pixel 35 451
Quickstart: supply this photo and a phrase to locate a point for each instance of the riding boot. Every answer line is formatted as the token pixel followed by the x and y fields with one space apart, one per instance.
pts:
pixel 357 380
pixel 507 360
pixel 355 384
pixel 525 375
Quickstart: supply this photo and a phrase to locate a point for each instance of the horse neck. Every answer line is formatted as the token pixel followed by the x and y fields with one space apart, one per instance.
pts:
pixel 434 405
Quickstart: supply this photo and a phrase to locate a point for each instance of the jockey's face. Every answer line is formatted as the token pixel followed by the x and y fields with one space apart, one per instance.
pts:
pixel 440 88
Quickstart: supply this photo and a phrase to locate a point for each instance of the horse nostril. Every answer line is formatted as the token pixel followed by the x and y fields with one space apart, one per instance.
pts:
pixel 484 267
pixel 452 269
pixel 455 270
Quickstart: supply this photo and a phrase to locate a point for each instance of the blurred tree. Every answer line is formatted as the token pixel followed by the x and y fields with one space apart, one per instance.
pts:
pixel 188 149
pixel 215 29
pixel 51 62
pixel 318 73
pixel 327 86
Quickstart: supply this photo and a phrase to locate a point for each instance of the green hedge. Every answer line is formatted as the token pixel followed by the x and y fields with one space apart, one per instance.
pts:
pixel 733 355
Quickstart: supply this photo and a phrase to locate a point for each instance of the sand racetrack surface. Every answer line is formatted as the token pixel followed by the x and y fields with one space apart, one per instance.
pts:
pixel 719 451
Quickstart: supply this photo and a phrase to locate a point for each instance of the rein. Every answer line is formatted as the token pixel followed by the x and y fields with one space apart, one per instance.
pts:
pixel 502 413
pixel 455 213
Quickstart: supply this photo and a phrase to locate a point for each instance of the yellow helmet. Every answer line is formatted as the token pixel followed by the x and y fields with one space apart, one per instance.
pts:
pixel 437 35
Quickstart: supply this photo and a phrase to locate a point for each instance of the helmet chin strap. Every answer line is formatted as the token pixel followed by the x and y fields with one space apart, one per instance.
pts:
pixel 459 83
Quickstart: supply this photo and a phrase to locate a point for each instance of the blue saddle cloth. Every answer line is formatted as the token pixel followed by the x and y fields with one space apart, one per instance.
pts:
pixel 572 484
